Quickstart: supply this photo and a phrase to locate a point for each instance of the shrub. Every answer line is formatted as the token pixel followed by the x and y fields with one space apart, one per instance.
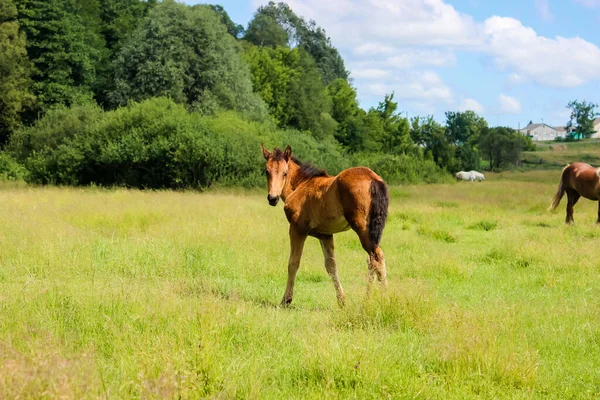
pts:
pixel 402 169
pixel 10 169
pixel 160 144
pixel 157 144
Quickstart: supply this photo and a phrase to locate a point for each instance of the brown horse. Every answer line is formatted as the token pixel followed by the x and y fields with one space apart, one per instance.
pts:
pixel 319 205
pixel 578 179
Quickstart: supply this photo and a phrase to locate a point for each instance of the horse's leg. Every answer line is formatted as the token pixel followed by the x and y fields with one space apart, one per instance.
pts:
pixel 572 196
pixel 331 267
pixel 375 259
pixel 296 246
pixel 598 220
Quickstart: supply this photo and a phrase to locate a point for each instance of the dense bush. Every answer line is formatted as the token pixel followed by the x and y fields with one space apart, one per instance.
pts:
pixel 159 144
pixel 402 169
pixel 156 144
pixel 10 169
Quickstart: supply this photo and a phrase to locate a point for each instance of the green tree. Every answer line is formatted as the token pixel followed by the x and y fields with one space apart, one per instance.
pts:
pixel 502 146
pixel 272 71
pixel 64 47
pixel 264 30
pixel 387 130
pixel 310 106
pixel 15 71
pixel 428 133
pixel 185 53
pixel 464 127
pixel 343 99
pixel 289 83
pixel 582 118
pixel 119 18
pixel 275 24
pixel 316 42
pixel 351 131
pixel 235 30
pixel 396 129
pixel 463 130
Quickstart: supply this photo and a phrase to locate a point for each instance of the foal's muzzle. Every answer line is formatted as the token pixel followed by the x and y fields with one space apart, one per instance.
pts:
pixel 273 200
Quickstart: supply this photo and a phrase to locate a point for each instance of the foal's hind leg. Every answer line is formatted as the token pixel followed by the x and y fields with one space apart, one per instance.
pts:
pixel 375 259
pixel 331 267
pixel 598 220
pixel 572 196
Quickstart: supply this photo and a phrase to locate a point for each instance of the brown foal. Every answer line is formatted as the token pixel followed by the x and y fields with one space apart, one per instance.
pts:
pixel 319 205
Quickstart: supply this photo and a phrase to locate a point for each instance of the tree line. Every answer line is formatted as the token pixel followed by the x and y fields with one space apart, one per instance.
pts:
pixel 160 94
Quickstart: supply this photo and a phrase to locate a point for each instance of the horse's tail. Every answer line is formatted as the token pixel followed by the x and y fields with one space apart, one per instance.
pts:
pixel 560 192
pixel 380 200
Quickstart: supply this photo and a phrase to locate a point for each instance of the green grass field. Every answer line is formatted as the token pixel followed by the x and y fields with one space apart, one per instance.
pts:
pixel 129 294
pixel 558 154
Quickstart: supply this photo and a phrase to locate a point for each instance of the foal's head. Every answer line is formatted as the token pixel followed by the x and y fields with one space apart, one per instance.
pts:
pixel 276 171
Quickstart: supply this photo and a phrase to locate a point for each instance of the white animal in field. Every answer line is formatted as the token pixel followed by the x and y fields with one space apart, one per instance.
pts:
pixel 465 176
pixel 470 176
pixel 477 176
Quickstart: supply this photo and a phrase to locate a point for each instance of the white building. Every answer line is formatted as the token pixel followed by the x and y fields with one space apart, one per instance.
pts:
pixel 596 123
pixel 542 132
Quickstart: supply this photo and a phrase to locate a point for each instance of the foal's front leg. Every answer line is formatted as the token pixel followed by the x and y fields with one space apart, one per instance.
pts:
pixel 331 267
pixel 296 246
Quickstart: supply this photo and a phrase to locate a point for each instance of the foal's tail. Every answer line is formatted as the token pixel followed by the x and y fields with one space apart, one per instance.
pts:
pixel 379 210
pixel 560 192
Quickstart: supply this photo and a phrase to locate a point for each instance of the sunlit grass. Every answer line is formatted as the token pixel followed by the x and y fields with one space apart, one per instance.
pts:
pixel 558 154
pixel 120 294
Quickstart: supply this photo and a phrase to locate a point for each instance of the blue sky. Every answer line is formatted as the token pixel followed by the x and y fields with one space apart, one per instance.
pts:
pixel 511 61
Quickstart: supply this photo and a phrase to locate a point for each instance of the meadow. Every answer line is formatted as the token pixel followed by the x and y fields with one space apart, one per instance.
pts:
pixel 164 294
pixel 553 154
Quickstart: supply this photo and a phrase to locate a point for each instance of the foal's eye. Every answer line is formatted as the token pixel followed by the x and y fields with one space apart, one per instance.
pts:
pixel 285 174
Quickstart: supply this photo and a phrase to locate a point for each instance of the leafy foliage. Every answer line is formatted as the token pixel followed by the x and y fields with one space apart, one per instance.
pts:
pixel 275 24
pixel 64 46
pixel 502 146
pixel 185 53
pixel 15 70
pixel 155 144
pixel 581 122
pixel 289 83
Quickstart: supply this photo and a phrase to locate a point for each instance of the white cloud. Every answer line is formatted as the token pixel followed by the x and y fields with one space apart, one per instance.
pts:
pixel 508 104
pixel 543 9
pixel 411 58
pixel 589 3
pixel 558 62
pixel 422 86
pixel 373 49
pixel 369 73
pixel 471 104
pixel 401 37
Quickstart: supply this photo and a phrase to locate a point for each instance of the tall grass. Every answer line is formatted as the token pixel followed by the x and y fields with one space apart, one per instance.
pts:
pixel 158 294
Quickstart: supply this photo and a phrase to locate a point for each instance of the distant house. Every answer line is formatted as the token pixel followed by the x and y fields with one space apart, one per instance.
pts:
pixel 541 132
pixel 561 131
pixel 596 134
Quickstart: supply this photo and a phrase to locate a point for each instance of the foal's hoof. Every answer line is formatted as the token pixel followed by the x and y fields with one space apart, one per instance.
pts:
pixel 285 303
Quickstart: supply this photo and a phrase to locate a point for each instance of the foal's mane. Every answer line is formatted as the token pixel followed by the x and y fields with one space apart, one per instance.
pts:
pixel 307 170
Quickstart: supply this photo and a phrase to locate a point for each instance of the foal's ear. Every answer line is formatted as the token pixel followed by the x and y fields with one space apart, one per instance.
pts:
pixel 266 153
pixel 287 153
